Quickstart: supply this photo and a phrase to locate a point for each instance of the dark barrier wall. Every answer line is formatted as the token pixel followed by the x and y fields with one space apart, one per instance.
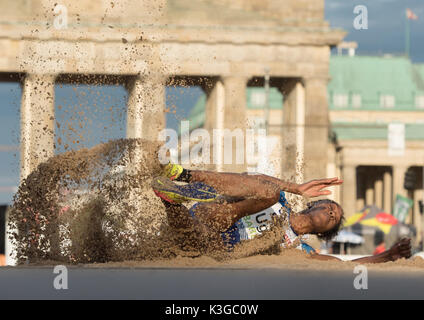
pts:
pixel 2 228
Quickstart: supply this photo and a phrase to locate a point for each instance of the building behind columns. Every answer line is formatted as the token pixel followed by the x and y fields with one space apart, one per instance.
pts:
pixel 377 119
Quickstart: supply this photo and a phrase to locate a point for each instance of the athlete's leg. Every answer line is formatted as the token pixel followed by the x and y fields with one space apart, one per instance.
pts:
pixel 253 194
pixel 221 216
pixel 237 185
pixel 215 216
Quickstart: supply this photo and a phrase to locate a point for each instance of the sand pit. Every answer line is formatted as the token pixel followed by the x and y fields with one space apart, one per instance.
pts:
pixel 290 259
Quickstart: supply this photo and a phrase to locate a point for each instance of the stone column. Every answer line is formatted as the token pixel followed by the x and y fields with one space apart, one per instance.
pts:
pixel 387 188
pixel 292 151
pixel 37 121
pixel 211 106
pixel 360 191
pixel 349 190
pixel 214 120
pixel 369 192
pixel 331 172
pixel 146 107
pixel 360 204
pixel 235 123
pixel 316 128
pixel 378 188
pixel 398 179
pixel 409 217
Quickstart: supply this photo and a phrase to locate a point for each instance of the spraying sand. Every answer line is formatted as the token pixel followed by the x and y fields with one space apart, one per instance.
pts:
pixel 96 205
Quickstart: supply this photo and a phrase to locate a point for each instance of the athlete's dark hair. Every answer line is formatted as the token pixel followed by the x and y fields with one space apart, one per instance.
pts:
pixel 330 234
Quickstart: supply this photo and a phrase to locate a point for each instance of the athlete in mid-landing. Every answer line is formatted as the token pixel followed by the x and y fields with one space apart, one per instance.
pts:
pixel 237 207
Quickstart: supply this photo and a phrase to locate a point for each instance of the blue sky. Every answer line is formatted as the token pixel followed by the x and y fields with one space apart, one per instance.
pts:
pixel 87 115
pixel 10 95
pixel 386 26
pixel 101 110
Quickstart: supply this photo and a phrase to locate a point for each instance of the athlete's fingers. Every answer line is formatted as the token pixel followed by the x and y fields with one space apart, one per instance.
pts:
pixel 405 251
pixel 324 193
pixel 405 248
pixel 317 182
pixel 323 187
pixel 325 180
pixel 336 181
pixel 329 181
pixel 405 241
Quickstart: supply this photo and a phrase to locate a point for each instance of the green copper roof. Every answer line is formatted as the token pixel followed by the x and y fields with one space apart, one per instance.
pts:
pixel 371 77
pixel 371 131
pixel 418 74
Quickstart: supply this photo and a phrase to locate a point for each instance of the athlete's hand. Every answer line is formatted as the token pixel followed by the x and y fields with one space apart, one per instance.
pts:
pixel 314 188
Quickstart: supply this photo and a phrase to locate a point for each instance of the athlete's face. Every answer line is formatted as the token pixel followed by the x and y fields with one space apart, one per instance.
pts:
pixel 325 216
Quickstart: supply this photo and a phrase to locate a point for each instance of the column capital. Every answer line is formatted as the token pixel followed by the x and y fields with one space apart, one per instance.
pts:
pixel 308 80
pixel 241 78
pixel 401 167
pixel 349 165
pixel 47 77
pixel 152 76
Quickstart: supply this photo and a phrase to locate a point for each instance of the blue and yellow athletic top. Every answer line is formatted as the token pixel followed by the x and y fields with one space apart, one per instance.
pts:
pixel 251 226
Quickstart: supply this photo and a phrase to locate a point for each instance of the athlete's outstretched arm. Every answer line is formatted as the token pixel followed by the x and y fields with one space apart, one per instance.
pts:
pixel 236 184
pixel 401 249
pixel 309 189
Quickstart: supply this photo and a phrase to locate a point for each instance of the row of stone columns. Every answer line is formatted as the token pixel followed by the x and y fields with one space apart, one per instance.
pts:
pixel 305 123
pixel 376 190
pixel 384 185
pixel 372 186
pixel 307 134
pixel 145 116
